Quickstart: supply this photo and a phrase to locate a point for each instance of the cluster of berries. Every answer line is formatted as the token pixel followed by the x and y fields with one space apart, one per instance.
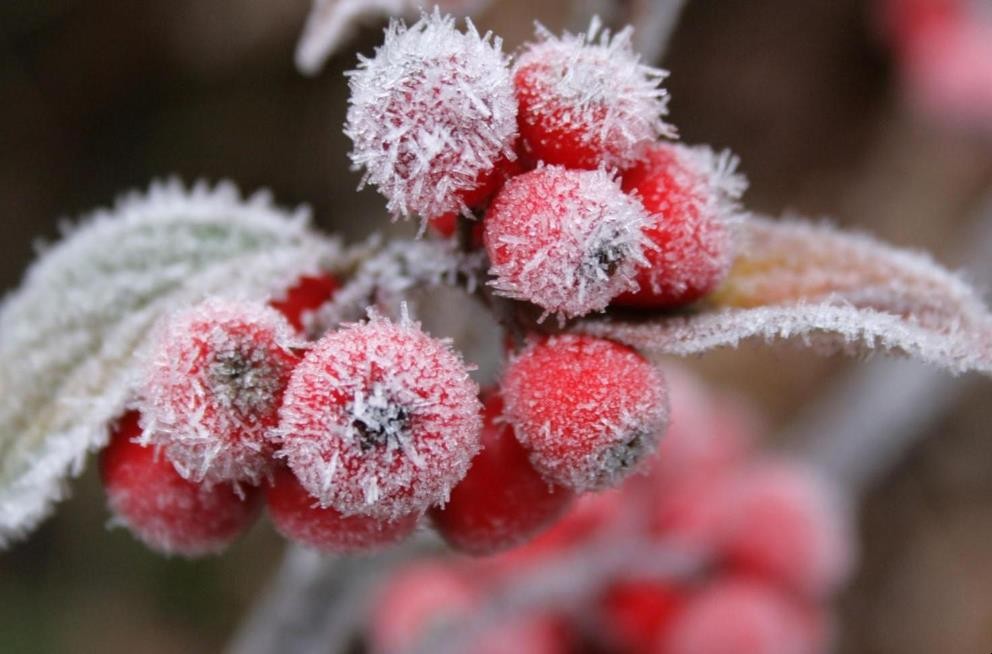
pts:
pixel 772 538
pixel 353 437
pixel 582 206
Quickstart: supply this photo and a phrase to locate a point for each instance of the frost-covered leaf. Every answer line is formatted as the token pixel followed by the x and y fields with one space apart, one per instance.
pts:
pixel 70 336
pixel 330 21
pixel 795 280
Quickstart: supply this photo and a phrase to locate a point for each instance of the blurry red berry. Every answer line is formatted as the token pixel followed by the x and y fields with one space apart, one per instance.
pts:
pixel 380 419
pixel 212 388
pixel 166 512
pixel 568 241
pixel 587 101
pixel 297 515
pixel 307 294
pixel 690 194
pixel 502 500
pixel 637 613
pixel 588 409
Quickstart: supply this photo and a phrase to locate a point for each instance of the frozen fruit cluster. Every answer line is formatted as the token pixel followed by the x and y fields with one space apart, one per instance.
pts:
pixel 772 540
pixel 557 153
pixel 354 436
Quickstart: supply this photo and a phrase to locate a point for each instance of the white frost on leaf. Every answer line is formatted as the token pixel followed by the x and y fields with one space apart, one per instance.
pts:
pixel 71 336
pixel 825 288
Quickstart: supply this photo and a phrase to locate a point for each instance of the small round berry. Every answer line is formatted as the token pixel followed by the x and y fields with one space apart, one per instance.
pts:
pixel 212 389
pixel 380 419
pixel 502 501
pixel 163 510
pixel 306 295
pixel 431 115
pixel 739 616
pixel 782 521
pixel 589 409
pixel 587 101
pixel 567 240
pixel 297 515
pixel 691 195
pixel 637 613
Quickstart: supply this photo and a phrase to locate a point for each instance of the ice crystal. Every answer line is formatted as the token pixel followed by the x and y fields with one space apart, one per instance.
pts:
pixel 71 335
pixel 380 419
pixel 567 240
pixel 431 114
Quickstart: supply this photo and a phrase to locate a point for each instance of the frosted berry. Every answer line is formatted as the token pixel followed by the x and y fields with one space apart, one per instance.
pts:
pixel 431 115
pixel 739 616
pixel 589 409
pixel 297 515
pixel 212 388
pixel 783 522
pixel 502 500
pixel 637 613
pixel 567 240
pixel 380 419
pixel 306 295
pixel 166 512
pixel 587 100
pixel 690 193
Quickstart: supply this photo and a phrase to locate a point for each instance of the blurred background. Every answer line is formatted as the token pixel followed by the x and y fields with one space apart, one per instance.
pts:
pixel 103 96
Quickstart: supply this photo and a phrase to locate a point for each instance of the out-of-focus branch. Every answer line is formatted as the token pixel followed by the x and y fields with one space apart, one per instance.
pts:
pixel 655 21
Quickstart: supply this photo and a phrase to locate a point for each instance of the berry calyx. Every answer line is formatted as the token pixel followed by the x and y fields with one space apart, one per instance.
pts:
pixel 380 419
pixel 690 194
pixel 587 101
pixel 166 512
pixel 212 389
pixel 502 501
pixel 589 409
pixel 568 241
pixel 306 295
pixel 431 115
pixel 297 515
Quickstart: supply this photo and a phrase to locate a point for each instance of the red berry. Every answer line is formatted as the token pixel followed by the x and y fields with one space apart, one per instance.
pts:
pixel 380 419
pixel 297 515
pixel 502 501
pixel 690 193
pixel 587 101
pixel 785 523
pixel 431 116
pixel 212 389
pixel 567 240
pixel 163 510
pixel 738 616
pixel 529 634
pixel 309 292
pixel 588 409
pixel 638 613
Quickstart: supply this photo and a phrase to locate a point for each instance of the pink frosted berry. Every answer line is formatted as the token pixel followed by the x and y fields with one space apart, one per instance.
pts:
pixel 589 409
pixel 738 616
pixel 567 240
pixel 212 389
pixel 587 101
pixel 431 116
pixel 691 193
pixel 166 512
pixel 297 515
pixel 380 419
pixel 502 500
pixel 783 522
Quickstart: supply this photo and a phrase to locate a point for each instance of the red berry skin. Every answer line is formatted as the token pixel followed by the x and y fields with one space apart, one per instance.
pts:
pixel 638 613
pixel 502 501
pixel 692 248
pixel 166 512
pixel 307 294
pixel 590 410
pixel 297 515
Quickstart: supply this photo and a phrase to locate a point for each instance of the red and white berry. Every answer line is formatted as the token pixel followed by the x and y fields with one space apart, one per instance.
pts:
pixel 587 101
pixel 166 512
pixel 212 388
pixel 304 297
pixel 590 410
pixel 380 419
pixel 432 114
pixel 566 240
